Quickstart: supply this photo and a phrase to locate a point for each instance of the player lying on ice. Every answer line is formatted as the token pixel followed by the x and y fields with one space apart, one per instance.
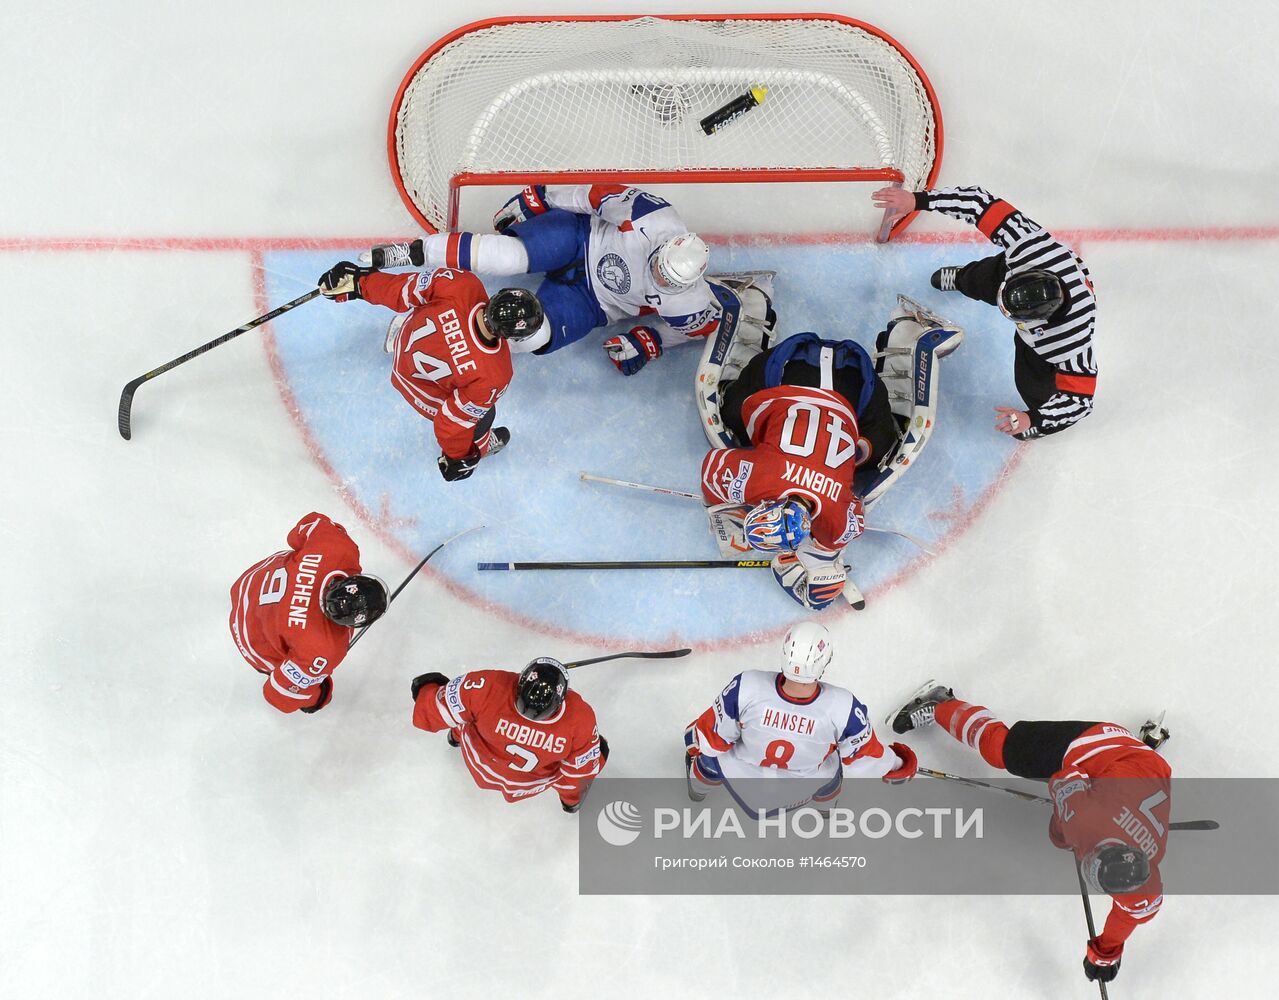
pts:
pixel 520 734
pixel 452 347
pixel 784 739
pixel 808 432
pixel 1110 793
pixel 609 252
pixel 294 612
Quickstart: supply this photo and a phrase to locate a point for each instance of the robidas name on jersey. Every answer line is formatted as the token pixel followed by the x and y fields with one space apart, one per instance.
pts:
pixel 528 736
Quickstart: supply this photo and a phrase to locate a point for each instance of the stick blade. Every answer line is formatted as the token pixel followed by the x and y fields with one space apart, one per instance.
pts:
pixel 1195 824
pixel 124 418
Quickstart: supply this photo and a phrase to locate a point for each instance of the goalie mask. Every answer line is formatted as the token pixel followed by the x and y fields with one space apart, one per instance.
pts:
pixel 777 526
pixel 514 314
pixel 1028 296
pixel 1115 868
pixel 679 263
pixel 806 652
pixel 354 601
pixel 540 691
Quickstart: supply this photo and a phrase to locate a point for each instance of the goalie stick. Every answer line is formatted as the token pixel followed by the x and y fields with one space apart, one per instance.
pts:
pixel 851 594
pixel 124 417
pixel 390 600
pixel 665 654
pixel 589 478
pixel 1189 824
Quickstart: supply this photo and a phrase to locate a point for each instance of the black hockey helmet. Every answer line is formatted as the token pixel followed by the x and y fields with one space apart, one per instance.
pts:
pixel 354 601
pixel 514 314
pixel 1031 295
pixel 540 691
pixel 1116 868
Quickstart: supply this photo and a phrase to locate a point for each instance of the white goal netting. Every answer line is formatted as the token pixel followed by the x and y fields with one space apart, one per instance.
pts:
pixel 562 97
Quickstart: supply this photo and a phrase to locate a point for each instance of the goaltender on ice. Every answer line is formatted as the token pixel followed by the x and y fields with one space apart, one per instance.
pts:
pixel 808 432
pixel 609 252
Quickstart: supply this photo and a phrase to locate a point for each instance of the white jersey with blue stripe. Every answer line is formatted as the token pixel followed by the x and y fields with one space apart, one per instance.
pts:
pixel 627 227
pixel 758 731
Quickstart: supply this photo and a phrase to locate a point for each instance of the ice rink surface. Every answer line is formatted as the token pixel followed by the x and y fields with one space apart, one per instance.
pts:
pixel 168 173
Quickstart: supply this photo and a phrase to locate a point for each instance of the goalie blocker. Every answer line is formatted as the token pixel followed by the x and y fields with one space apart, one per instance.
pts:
pixel 812 421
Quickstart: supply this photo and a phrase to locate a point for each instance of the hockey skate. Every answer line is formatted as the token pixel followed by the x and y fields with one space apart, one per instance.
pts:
pixel 1154 733
pixel 499 438
pixel 919 712
pixel 943 279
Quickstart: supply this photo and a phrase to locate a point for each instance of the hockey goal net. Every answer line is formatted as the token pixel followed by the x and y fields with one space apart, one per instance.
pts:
pixel 517 101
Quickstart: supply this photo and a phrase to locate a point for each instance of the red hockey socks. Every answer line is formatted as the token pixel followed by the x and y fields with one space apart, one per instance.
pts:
pixel 974 725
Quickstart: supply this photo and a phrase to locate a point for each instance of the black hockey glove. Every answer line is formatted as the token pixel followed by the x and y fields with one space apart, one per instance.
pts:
pixel 1099 966
pixel 326 696
pixel 421 680
pixel 453 469
pixel 341 282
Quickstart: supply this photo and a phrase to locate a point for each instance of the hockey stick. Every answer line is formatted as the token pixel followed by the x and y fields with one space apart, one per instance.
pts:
pixel 589 478
pixel 1190 824
pixel 667 654
pixel 851 594
pixel 1092 928
pixel 390 600
pixel 125 415
pixel 637 564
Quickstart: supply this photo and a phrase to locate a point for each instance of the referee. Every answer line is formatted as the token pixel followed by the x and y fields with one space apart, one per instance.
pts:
pixel 1038 283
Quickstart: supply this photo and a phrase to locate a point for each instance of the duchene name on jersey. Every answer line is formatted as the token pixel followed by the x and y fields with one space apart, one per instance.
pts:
pixel 303 588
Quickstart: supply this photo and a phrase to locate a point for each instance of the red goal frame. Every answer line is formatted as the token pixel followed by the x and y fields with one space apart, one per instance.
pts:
pixel 641 177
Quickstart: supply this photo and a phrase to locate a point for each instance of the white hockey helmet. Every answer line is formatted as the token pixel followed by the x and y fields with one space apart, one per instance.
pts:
pixel 679 263
pixel 806 652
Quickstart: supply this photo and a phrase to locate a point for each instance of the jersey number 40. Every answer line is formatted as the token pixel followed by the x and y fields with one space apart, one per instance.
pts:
pixel 806 419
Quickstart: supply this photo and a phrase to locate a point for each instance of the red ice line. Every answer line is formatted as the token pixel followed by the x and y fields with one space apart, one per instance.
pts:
pixel 257 247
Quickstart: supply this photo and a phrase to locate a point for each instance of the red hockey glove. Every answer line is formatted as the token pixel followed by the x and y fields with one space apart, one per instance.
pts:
pixel 910 764
pixel 1102 965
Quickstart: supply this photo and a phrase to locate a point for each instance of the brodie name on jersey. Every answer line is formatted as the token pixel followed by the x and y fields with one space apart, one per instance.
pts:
pixel 527 736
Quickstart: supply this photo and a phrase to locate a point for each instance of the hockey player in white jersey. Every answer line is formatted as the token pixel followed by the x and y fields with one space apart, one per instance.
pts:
pixel 609 252
pixel 782 739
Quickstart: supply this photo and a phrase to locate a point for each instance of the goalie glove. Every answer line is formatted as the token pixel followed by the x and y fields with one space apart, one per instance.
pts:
pixel 528 203
pixel 813 589
pixel 632 351
pixel 341 282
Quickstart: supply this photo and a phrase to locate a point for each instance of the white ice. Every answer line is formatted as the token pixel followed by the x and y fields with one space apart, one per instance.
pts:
pixel 165 833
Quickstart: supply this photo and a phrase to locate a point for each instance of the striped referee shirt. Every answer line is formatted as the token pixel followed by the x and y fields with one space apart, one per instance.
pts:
pixel 1066 342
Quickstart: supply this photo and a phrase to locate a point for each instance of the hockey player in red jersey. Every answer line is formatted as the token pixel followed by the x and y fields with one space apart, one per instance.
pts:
pixel 452 352
pixel 1111 799
pixel 520 734
pixel 293 613
pixel 797 406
